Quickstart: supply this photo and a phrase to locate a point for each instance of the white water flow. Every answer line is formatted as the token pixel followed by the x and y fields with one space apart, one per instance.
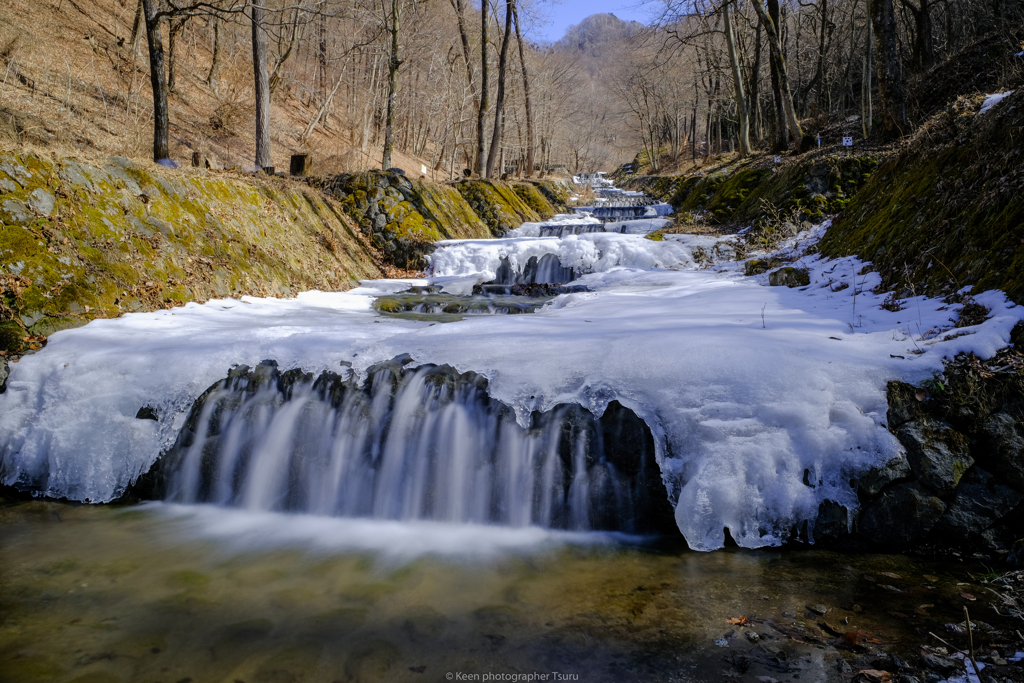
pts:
pixel 426 443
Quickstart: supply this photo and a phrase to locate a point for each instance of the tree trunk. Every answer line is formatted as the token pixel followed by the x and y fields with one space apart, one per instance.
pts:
pixel 499 102
pixel 172 52
pixel 393 64
pixel 213 79
pixel 865 100
pixel 322 57
pixel 482 110
pixel 262 81
pixel 161 123
pixel 890 77
pixel 275 73
pixel 775 45
pixel 742 110
pixel 526 95
pixel 924 51
pixel 781 130
pixel 138 26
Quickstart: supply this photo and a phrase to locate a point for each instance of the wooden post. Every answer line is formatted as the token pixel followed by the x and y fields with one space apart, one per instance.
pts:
pixel 300 164
pixel 197 160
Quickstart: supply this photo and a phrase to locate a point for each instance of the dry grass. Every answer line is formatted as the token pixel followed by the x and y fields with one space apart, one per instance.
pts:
pixel 70 85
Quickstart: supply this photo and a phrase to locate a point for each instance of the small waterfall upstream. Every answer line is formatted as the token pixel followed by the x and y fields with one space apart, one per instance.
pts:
pixel 547 269
pixel 410 443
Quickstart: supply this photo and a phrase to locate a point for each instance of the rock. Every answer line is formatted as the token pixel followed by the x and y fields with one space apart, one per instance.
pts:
pixel 818 609
pixel 904 405
pixel 902 514
pixel 833 521
pixel 1005 452
pixel 41 201
pixel 5 372
pixel 979 503
pixel 16 211
pixel 721 642
pixel 938 454
pixel 758 266
pixel 938 662
pixel 880 476
pixel 752 636
pixel 1016 556
pixel 789 277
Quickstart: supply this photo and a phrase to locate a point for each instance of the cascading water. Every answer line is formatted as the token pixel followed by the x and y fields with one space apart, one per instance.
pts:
pixel 421 443
pixel 547 269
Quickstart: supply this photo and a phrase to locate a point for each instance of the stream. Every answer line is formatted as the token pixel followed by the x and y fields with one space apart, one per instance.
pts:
pixel 501 471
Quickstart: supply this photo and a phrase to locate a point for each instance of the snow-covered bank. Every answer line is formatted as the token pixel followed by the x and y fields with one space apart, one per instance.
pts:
pixel 745 386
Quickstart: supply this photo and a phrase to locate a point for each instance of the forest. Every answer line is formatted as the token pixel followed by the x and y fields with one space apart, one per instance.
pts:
pixel 450 87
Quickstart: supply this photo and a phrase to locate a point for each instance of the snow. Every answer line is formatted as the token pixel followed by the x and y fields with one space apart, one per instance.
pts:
pixel 992 100
pixel 744 386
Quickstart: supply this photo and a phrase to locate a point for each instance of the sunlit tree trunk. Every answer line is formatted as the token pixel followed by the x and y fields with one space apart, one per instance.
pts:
pixel 742 109
pixel 393 64
pixel 262 81
pixel 499 102
pixel 161 123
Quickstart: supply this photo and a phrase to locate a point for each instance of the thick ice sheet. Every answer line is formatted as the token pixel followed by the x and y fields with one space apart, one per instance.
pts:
pixel 745 386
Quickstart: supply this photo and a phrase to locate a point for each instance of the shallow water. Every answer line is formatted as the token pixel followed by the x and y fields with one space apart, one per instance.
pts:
pixel 176 593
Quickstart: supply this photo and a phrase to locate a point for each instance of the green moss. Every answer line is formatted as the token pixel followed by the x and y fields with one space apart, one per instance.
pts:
pixel 534 199
pixel 497 204
pixel 944 216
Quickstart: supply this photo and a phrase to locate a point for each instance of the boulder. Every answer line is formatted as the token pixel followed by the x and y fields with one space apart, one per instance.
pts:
pixel 979 503
pixel 1005 452
pixel 880 476
pixel 938 454
pixel 758 266
pixel 1016 556
pixel 833 521
pixel 789 277
pixel 903 514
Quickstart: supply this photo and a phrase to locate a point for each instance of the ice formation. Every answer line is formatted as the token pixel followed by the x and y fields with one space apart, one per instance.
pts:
pixel 747 388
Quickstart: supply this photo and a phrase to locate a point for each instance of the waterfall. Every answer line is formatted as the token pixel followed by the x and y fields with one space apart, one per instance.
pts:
pixel 410 443
pixel 547 269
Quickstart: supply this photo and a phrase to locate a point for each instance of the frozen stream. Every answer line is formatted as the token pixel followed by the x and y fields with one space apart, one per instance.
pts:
pixel 762 401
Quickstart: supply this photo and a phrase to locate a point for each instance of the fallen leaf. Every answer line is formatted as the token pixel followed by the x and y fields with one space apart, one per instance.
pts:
pixel 737 621
pixel 967 596
pixel 933 579
pixel 873 675
pixel 899 615
pixel 922 610
pixel 892 575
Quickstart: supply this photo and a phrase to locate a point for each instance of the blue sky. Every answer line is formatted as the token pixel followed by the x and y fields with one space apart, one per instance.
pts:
pixel 561 14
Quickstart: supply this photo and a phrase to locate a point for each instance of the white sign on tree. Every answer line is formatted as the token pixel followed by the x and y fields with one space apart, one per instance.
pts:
pixel 848 142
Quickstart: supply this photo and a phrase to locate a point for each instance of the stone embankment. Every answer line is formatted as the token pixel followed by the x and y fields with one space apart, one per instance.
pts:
pixel 93 239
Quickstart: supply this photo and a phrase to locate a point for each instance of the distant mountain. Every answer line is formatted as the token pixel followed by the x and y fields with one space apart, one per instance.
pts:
pixel 597 32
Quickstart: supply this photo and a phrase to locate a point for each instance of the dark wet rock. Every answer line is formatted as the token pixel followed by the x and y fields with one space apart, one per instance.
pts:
pixel 938 454
pixel 902 514
pixel 880 476
pixel 980 501
pixel 1016 556
pixel 5 372
pixel 147 413
pixel 833 521
pixel 1004 454
pixel 937 662
pixel 789 277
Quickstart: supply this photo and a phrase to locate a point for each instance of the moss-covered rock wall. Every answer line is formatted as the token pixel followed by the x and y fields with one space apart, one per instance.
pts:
pixel 947 211
pixel 402 217
pixel 807 189
pixel 82 240
pixel 498 204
